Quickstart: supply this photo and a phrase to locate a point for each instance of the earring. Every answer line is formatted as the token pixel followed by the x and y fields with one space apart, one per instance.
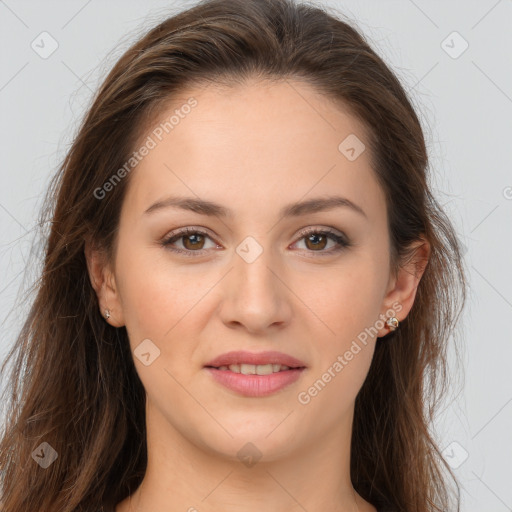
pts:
pixel 392 323
pixel 107 313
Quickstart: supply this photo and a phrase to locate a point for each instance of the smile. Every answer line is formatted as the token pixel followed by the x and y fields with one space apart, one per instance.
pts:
pixel 255 369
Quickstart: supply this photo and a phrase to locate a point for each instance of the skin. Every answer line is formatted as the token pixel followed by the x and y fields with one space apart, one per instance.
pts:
pixel 243 147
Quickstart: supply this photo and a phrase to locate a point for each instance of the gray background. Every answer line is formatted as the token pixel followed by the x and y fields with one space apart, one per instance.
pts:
pixel 464 100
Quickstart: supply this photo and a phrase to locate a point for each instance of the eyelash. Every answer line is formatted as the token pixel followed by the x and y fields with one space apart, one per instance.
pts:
pixel 342 242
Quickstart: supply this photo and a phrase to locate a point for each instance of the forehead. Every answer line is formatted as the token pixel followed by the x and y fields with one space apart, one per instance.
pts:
pixel 260 143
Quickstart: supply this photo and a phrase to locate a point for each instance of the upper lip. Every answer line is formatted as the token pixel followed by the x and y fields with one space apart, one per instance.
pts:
pixel 256 358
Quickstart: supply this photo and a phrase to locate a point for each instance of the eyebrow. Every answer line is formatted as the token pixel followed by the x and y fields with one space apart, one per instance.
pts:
pixel 210 208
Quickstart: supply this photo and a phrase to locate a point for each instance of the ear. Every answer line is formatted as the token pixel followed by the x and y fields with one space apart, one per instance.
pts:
pixel 103 281
pixel 402 287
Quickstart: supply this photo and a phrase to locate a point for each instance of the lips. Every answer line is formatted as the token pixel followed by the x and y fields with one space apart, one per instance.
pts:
pixel 255 374
pixel 262 358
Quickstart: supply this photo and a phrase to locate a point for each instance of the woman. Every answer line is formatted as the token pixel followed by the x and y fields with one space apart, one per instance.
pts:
pixel 248 286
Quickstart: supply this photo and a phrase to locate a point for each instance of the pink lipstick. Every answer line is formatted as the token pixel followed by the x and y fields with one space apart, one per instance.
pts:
pixel 255 374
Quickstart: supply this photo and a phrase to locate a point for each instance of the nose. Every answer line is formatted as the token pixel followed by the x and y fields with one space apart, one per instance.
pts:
pixel 256 296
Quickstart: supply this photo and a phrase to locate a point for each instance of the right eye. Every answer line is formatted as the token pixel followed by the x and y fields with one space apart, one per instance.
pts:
pixel 193 240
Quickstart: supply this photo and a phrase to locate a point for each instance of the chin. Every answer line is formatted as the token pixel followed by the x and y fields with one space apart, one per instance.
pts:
pixel 252 439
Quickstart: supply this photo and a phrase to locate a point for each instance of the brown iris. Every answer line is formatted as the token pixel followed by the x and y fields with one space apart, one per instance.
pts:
pixel 191 241
pixel 316 245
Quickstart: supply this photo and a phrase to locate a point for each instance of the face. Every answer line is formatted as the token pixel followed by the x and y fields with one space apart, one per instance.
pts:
pixel 253 274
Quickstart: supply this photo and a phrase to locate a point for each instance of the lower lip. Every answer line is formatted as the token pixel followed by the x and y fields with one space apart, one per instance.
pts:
pixel 255 385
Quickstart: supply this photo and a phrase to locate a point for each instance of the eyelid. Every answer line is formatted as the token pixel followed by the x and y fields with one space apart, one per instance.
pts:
pixel 317 229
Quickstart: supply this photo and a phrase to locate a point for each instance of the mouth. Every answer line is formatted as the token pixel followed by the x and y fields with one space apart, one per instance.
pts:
pixel 255 374
pixel 246 360
pixel 255 369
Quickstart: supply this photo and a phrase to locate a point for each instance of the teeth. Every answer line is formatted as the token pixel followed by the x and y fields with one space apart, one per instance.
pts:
pixel 264 369
pixel 248 369
pixel 255 369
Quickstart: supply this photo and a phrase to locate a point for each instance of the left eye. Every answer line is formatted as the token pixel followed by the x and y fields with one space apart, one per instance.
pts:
pixel 193 241
pixel 315 240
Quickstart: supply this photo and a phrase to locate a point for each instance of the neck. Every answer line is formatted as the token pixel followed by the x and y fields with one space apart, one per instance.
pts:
pixel 183 475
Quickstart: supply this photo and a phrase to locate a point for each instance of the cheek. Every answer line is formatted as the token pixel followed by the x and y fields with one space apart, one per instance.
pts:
pixel 164 302
pixel 347 301
pixel 349 307
pixel 154 296
pixel 348 298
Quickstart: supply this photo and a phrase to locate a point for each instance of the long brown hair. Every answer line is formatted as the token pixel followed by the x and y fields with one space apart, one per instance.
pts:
pixel 73 383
